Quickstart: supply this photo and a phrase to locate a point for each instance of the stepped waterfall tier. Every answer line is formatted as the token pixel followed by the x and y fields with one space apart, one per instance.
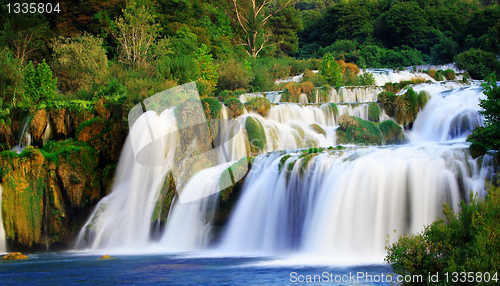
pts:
pixel 301 195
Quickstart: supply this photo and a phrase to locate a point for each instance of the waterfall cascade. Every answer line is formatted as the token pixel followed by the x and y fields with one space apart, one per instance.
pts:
pixel 341 202
pixel 3 247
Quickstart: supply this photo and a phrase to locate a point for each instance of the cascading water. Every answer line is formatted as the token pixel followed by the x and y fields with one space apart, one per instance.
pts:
pixel 344 203
pixel 347 202
pixel 448 115
pixel 3 247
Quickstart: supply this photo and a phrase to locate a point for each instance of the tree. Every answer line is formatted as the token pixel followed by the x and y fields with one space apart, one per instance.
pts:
pixel 405 24
pixel 285 26
pixel 136 32
pixel 330 70
pixel 25 34
pixel 79 61
pixel 39 86
pixel 206 70
pixel 253 18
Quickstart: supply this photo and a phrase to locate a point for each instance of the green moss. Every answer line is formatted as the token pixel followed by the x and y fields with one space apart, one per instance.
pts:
pixel 256 135
pixel 373 112
pixel 422 99
pixel 235 106
pixel 477 149
pixel 212 108
pixel 164 201
pixel 259 104
pixel 283 161
pixel 449 74
pixel 333 107
pixel 392 132
pixel 387 99
pixel 358 131
pixel 411 101
pixel 317 129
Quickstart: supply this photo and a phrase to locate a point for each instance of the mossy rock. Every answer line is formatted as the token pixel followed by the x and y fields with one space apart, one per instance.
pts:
pixel 211 107
pixel 259 104
pixel 317 129
pixel 449 74
pixel 358 131
pixel 387 99
pixel 256 135
pixel 15 256
pixel 333 107
pixel 23 179
pixel 423 97
pixel 373 112
pixel 477 149
pixel 235 107
pixel 392 132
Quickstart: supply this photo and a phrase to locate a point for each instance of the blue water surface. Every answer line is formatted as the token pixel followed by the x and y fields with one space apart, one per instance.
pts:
pixel 68 268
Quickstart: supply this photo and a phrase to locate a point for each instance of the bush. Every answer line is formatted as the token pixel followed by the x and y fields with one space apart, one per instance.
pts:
pixel 392 132
pixel 80 61
pixel 330 70
pixel 225 95
pixel 291 93
pixel 259 104
pixel 212 108
pixel 449 74
pixel 387 99
pixel 373 112
pixel 411 99
pixel 467 242
pixel 233 75
pixel 306 86
pixel 256 135
pixel 235 106
pixel 479 64
pixel 356 130
pixel 39 86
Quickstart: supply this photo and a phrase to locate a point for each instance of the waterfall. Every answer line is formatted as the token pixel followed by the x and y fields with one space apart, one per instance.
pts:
pixel 351 94
pixel 449 114
pixel 347 202
pixel 24 138
pixel 383 76
pixel 3 246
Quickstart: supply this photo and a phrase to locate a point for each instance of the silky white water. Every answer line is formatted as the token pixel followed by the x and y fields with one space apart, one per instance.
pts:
pixel 3 247
pixel 344 203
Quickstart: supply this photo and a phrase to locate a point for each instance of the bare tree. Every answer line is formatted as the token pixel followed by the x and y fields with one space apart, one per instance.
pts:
pixel 253 17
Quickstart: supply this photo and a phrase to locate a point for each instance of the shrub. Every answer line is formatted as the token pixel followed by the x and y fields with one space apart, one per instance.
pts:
pixel 330 70
pixel 449 74
pixel 366 78
pixel 225 95
pixel 356 130
pixel 373 112
pixel 306 86
pixel 467 242
pixel 411 99
pixel 235 106
pixel 479 64
pixel 80 61
pixel 233 75
pixel 392 132
pixel 291 93
pixel 259 104
pixel 212 108
pixel 39 86
pixel 256 135
pixel 387 99
pixel 206 70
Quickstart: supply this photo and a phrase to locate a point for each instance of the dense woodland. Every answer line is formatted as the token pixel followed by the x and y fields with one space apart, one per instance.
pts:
pixel 139 47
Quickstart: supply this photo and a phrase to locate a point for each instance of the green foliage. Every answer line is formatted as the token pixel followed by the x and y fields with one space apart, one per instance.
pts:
pixel 333 107
pixel 179 69
pixel 467 242
pixel 330 70
pixel 364 79
pixel 10 78
pixel 422 99
pixel 489 135
pixel 212 108
pixel 285 25
pixel 113 89
pixel 373 112
pixel 235 106
pixel 479 64
pixel 358 131
pixel 259 104
pixel 233 75
pixel 405 24
pixel 39 86
pixel 387 99
pixel 78 62
pixel 392 132
pixel 135 33
pixel 256 135
pixel 206 70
